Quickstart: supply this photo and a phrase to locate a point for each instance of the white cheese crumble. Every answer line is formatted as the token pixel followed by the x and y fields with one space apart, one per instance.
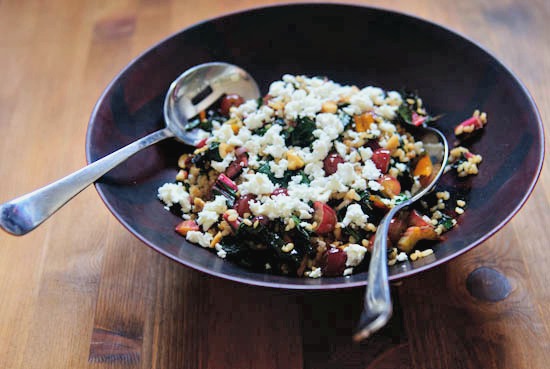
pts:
pixel 256 183
pixel 211 212
pixel 355 216
pixel 220 251
pixel 278 169
pixel 355 254
pixel 315 273
pixel 330 124
pixel 221 166
pixel 348 271
pixel 402 256
pixel 174 193
pixel 280 206
pixel 257 119
pixel 202 239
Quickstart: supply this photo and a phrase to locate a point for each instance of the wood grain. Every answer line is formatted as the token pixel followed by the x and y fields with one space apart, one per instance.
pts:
pixel 81 292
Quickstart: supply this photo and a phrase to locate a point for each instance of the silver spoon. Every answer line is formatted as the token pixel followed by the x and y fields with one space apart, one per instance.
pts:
pixel 377 308
pixel 193 91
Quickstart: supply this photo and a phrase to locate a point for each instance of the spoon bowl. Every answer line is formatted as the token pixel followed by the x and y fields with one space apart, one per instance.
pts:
pixel 193 91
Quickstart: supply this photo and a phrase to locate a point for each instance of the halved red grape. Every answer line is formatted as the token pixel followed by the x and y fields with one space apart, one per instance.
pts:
pixel 330 164
pixel 325 217
pixel 228 101
pixel 333 262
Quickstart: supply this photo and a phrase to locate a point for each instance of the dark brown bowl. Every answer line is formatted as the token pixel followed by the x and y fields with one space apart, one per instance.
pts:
pixel 352 45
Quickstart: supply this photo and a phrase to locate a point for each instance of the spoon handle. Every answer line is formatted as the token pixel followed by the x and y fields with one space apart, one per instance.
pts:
pixel 23 214
pixel 377 308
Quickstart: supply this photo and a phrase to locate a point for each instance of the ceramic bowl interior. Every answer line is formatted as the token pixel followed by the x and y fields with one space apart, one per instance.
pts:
pixel 351 45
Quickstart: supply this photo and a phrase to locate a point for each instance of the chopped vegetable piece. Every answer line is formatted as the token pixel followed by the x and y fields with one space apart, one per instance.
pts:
pixel 363 121
pixel 324 216
pixel 201 143
pixel 242 205
pixel 416 219
pixel 229 101
pixel 390 185
pixel 236 167
pixel 330 164
pixel 424 167
pixel 333 262
pixel 381 159
pixel 477 121
pixel 413 235
pixel 397 226
pixel 280 191
pixel 186 226
pixel 302 134
pixel 234 223
pixel 417 120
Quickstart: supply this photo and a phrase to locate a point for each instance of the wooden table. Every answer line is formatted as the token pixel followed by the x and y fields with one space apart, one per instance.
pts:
pixel 80 291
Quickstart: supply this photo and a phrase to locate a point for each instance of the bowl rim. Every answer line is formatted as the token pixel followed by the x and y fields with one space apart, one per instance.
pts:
pixel 341 285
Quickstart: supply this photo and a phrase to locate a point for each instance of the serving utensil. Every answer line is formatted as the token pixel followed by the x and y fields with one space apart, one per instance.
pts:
pixel 193 91
pixel 377 308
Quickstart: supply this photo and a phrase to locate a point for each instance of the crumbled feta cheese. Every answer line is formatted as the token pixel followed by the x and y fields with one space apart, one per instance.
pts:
pixel 241 138
pixel 330 124
pixel 280 206
pixel 220 251
pixel 355 215
pixel 346 173
pixel 360 102
pixel 401 167
pixel 314 170
pixel 223 134
pixel 365 152
pixel 256 183
pixel 211 212
pixel 386 111
pixel 221 166
pixel 272 143
pixel 302 105
pixel 370 171
pixel 348 271
pixel 257 119
pixel 341 148
pixel 393 98
pixel 387 127
pixel 278 169
pixel 315 273
pixel 245 109
pixel 402 257
pixel 355 254
pixel 174 193
pixel 375 186
pixel 202 239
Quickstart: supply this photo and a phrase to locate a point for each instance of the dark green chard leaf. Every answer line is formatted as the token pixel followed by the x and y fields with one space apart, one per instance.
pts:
pixel 232 246
pixel 302 134
pixel 446 221
pixel 301 238
pixel 305 178
pixel 405 113
pixel 358 234
pixel 284 180
pixel 212 154
pixel 400 198
pixel 365 202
